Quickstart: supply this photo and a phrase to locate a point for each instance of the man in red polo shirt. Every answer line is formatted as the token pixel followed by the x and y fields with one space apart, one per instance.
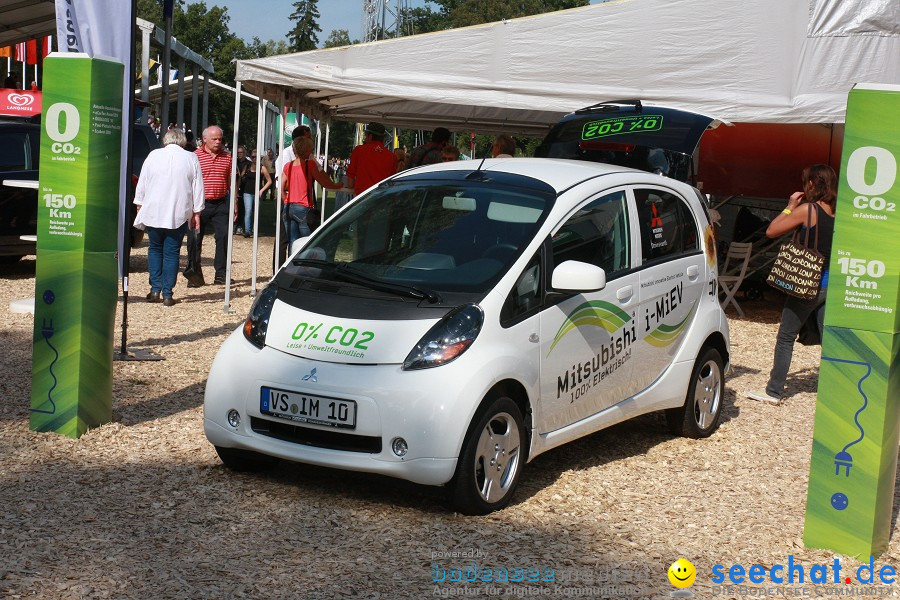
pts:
pixel 371 161
pixel 216 167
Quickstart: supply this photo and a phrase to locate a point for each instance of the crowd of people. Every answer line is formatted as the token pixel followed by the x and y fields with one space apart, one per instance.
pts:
pixel 184 186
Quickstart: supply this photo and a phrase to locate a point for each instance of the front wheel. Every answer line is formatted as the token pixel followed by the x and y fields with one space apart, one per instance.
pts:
pixel 699 417
pixel 491 460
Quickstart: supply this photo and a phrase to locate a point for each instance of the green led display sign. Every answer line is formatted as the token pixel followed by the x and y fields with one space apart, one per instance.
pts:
pixel 618 125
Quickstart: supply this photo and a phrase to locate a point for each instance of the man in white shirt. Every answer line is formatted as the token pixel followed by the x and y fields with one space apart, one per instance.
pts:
pixel 169 195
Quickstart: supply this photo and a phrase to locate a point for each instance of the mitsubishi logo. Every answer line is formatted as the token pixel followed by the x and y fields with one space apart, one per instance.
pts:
pixel 311 377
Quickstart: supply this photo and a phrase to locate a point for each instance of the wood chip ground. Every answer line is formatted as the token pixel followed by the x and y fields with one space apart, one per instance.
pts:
pixel 142 507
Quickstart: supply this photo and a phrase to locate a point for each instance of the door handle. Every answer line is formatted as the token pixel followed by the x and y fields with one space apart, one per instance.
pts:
pixel 625 293
pixel 693 271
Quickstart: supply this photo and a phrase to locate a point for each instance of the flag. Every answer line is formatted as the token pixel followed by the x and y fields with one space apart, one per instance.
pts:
pixel 20 52
pixel 6 51
pixel 153 66
pixel 31 52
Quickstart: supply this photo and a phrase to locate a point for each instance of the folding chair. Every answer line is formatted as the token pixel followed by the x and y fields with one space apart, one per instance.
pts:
pixel 733 272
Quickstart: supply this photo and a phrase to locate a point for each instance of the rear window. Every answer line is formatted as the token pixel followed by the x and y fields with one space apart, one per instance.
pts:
pixel 668 229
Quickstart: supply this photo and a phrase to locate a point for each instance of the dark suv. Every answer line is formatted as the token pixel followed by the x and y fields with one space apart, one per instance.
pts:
pixel 20 144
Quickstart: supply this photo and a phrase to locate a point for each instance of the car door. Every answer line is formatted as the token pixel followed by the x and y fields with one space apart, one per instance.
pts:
pixel 672 278
pixel 587 339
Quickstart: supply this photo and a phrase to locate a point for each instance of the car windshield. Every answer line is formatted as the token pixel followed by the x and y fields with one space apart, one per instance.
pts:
pixel 417 237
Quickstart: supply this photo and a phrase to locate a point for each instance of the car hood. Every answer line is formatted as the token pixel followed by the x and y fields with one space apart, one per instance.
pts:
pixel 337 339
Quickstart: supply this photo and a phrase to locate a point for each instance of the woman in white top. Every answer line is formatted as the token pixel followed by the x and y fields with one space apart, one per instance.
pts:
pixel 169 194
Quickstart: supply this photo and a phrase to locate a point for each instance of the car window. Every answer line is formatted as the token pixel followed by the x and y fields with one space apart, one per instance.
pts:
pixel 668 228
pixel 526 295
pixel 14 154
pixel 597 234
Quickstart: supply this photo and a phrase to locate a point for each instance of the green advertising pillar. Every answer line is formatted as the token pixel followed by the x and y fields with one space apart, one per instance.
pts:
pixel 76 276
pixel 857 424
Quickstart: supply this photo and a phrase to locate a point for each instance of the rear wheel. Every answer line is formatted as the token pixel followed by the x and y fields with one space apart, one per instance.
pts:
pixel 699 417
pixel 491 461
pixel 245 461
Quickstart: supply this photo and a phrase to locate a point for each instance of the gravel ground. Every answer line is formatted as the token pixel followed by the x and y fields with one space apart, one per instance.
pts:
pixel 142 508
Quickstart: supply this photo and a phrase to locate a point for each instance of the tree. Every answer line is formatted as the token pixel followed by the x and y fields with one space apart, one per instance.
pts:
pixel 462 13
pixel 304 36
pixel 337 38
pixel 260 49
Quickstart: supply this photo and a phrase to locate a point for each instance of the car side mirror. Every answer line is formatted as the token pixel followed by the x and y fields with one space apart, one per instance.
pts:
pixel 575 276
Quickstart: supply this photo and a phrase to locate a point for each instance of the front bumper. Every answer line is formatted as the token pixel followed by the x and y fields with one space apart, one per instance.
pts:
pixel 430 409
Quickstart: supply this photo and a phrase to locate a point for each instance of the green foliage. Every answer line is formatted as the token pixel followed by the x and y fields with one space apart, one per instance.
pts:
pixel 260 49
pixel 425 20
pixel 303 35
pixel 462 13
pixel 337 38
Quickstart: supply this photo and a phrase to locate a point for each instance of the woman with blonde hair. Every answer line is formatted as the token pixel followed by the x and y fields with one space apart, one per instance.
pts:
pixel 297 192
pixel 814 205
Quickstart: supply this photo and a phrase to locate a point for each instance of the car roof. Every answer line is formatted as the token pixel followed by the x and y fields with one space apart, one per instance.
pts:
pixel 560 174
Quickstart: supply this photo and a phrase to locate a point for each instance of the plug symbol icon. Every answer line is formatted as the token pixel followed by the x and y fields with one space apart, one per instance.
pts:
pixel 843 459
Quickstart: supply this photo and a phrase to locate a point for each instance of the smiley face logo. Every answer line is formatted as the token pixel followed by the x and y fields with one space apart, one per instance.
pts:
pixel 682 573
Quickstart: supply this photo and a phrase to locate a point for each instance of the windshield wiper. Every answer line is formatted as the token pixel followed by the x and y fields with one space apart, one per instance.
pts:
pixel 348 273
pixel 355 276
pixel 315 262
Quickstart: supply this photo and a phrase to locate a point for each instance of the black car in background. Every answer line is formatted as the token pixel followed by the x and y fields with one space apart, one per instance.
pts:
pixel 20 143
pixel 631 134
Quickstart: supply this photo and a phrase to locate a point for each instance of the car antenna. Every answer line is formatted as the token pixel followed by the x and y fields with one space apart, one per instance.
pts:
pixel 477 173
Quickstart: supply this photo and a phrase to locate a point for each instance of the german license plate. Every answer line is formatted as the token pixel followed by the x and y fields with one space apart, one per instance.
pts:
pixel 305 408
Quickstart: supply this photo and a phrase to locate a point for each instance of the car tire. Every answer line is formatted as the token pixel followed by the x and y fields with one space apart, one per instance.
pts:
pixel 245 461
pixel 702 409
pixel 491 460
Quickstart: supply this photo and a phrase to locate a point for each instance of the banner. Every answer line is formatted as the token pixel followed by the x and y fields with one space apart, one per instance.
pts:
pixel 857 423
pixel 102 28
pixel 75 274
pixel 19 103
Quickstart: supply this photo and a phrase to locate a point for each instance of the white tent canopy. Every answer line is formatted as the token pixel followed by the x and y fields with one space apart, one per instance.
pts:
pixel 770 61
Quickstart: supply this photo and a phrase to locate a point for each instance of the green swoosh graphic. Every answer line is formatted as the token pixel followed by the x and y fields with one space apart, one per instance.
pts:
pixel 596 313
pixel 666 335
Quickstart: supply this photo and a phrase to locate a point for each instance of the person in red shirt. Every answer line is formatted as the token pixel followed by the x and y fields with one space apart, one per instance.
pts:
pixel 215 164
pixel 297 191
pixel 371 161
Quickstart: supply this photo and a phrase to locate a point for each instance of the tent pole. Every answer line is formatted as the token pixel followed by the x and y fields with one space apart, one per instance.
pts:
pixel 282 122
pixel 325 191
pixel 167 57
pixel 260 123
pixel 195 93
pixel 232 199
pixel 179 112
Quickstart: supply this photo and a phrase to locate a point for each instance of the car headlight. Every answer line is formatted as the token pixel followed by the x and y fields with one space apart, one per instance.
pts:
pixel 257 322
pixel 447 339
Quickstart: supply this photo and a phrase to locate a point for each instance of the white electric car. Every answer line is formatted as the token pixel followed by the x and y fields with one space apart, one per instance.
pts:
pixel 458 320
